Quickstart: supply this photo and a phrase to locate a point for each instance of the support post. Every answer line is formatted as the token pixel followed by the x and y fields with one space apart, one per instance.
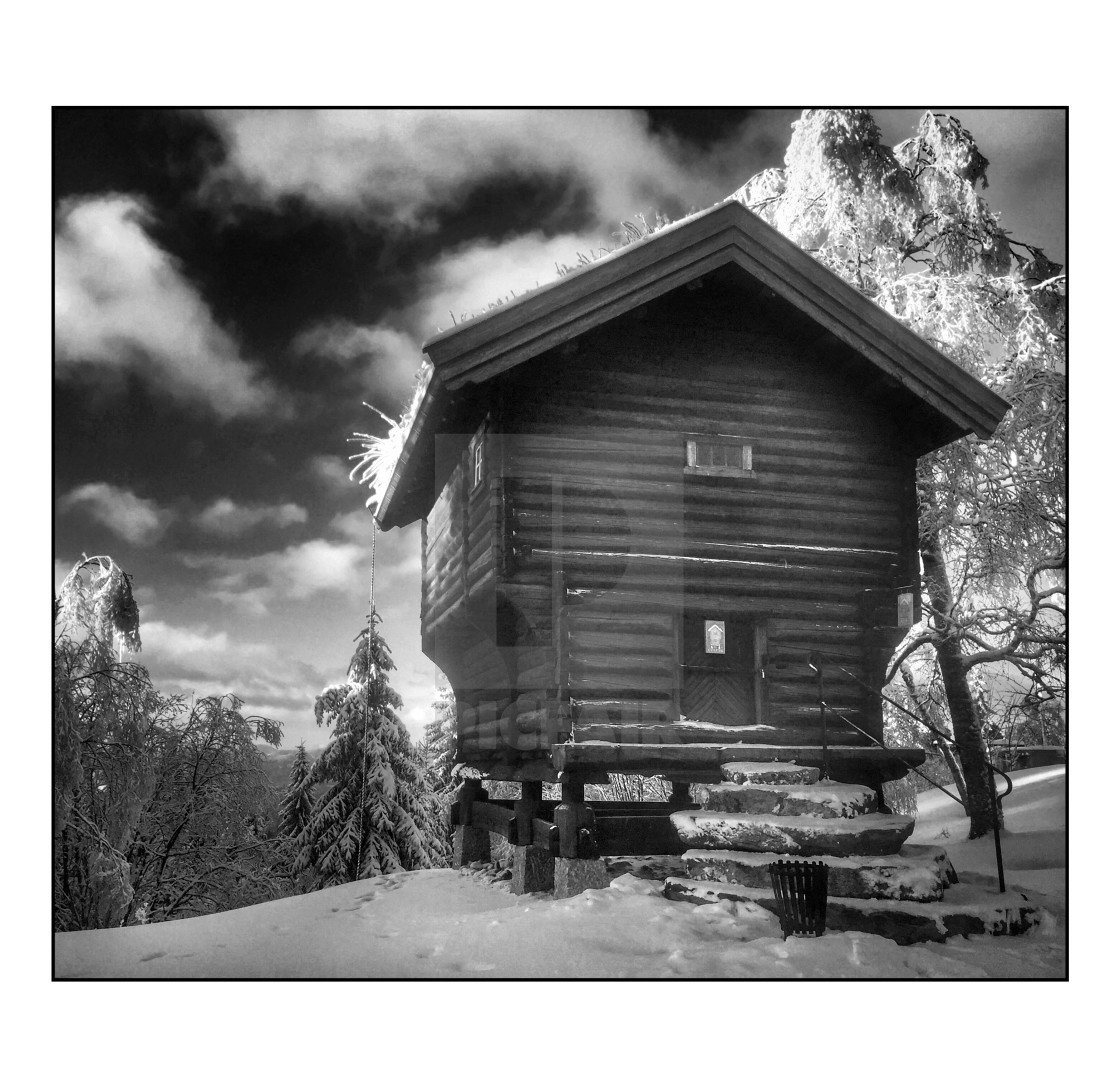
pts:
pixel 532 864
pixel 579 866
pixel 576 823
pixel 469 844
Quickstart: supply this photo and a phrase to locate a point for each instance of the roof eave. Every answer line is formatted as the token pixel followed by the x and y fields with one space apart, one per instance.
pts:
pixel 504 337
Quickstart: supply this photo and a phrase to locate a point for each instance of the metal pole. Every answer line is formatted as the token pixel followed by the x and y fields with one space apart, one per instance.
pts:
pixel 995 815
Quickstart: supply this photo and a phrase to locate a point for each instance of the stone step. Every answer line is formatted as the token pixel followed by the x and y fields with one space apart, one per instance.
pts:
pixel 871 834
pixel 820 800
pixel 965 909
pixel 768 772
pixel 921 872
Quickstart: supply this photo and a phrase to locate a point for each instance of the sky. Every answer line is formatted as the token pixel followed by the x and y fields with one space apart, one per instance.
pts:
pixel 230 286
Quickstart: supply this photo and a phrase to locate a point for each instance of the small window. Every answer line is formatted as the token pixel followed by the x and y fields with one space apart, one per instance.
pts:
pixel 718 456
pixel 476 477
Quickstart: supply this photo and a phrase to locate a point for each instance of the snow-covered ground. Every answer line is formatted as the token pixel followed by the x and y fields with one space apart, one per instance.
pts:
pixel 457 924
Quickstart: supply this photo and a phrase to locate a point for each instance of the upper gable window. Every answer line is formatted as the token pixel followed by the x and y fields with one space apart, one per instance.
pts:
pixel 719 456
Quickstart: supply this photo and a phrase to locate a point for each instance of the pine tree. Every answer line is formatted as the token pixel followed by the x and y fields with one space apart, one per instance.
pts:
pixel 375 813
pixel 439 741
pixel 908 227
pixel 295 810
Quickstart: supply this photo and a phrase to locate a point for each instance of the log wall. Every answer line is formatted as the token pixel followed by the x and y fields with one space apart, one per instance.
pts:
pixel 587 481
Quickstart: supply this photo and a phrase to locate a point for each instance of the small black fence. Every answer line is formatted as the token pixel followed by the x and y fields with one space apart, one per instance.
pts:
pixel 801 893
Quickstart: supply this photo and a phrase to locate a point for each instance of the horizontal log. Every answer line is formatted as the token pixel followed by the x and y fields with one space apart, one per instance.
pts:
pixel 622 687
pixel 602 617
pixel 494 818
pixel 605 639
pixel 686 732
pixel 645 509
pixel 480 548
pixel 863 443
pixel 815 540
pixel 848 764
pixel 619 662
pixel 546 835
pixel 515 767
pixel 613 710
pixel 589 483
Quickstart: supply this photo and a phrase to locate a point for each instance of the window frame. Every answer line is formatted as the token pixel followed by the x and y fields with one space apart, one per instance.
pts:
pixel 478 464
pixel 744 445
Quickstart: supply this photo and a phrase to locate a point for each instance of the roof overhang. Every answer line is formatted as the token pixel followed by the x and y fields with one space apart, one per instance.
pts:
pixel 728 234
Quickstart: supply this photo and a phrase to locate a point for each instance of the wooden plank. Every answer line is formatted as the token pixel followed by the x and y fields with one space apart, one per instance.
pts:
pixel 703 761
pixel 494 818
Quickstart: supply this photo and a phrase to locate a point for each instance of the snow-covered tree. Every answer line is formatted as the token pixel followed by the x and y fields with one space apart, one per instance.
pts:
pixel 439 741
pixel 374 813
pixel 157 804
pixel 908 227
pixel 295 810
pixel 104 710
pixel 200 844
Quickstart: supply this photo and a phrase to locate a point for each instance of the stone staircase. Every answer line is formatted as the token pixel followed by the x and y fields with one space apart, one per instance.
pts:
pixel 768 811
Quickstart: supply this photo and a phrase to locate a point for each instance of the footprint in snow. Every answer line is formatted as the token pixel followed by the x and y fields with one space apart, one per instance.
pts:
pixel 479 966
pixel 153 956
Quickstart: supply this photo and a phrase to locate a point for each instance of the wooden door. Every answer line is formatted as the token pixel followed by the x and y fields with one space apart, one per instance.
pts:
pixel 717 686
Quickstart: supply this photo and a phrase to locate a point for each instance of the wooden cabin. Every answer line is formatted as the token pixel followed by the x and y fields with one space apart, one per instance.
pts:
pixel 668 507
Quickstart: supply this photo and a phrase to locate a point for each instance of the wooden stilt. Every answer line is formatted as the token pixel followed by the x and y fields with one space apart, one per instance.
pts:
pixel 469 843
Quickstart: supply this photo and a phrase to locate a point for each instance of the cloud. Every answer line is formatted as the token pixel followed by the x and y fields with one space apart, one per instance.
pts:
pixel 400 165
pixel 177 642
pixel 257 583
pixel 199 660
pixel 132 518
pixel 460 283
pixel 472 277
pixel 123 304
pixel 226 517
pixel 398 551
pixel 333 472
pixel 378 356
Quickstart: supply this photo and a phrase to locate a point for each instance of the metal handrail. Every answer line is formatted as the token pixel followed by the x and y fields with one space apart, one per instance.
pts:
pixel 816 662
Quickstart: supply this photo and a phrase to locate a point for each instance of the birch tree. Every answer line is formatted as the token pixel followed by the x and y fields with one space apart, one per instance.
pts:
pixel 908 227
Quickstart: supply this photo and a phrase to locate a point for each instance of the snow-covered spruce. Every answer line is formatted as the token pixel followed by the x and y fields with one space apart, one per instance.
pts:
pixel 374 813
pixel 295 810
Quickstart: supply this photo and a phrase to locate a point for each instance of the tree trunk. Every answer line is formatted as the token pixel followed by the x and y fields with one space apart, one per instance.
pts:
pixel 945 749
pixel 958 697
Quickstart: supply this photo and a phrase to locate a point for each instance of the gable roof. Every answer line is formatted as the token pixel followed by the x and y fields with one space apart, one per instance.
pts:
pixel 728 234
